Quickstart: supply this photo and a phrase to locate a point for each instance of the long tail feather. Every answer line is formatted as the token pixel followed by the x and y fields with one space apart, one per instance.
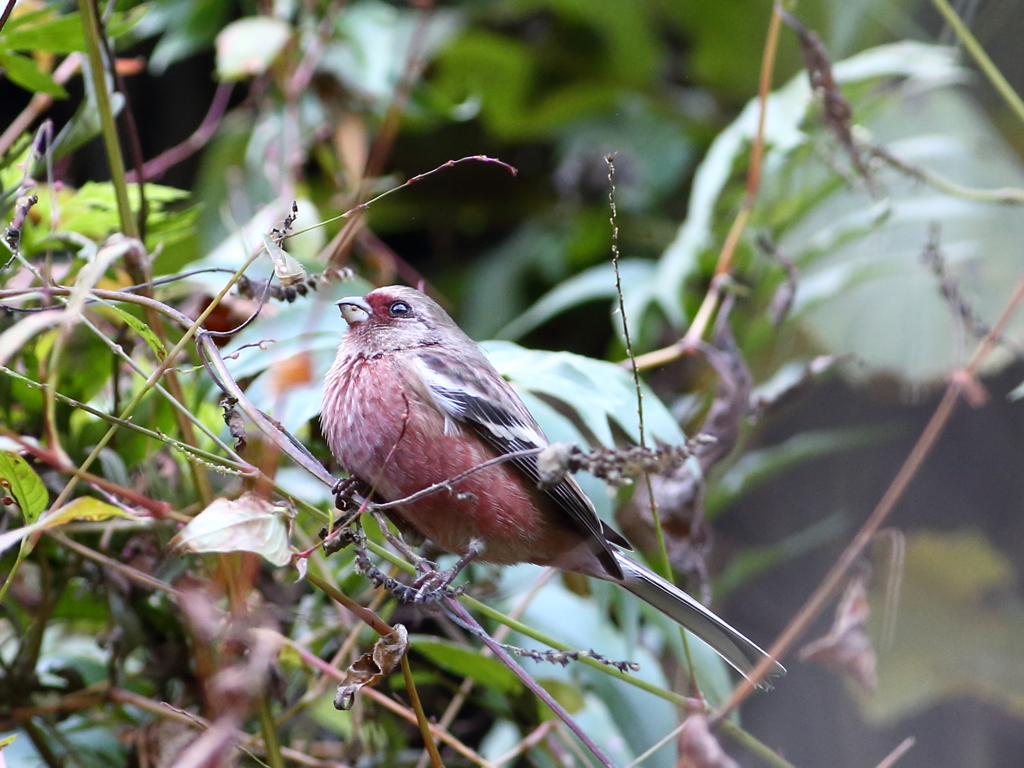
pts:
pixel 732 646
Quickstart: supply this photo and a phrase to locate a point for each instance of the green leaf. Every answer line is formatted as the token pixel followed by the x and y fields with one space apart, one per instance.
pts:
pixel 746 565
pixel 762 464
pixel 22 482
pixel 498 77
pixel 83 508
pixel 23 71
pixel 84 125
pixel 580 623
pixel 42 31
pixel 467 662
pixel 864 275
pixel 373 39
pixel 499 279
pixel 859 249
pixel 144 331
pixel 92 209
pixel 590 285
pixel 599 393
pixel 61 34
pixel 188 27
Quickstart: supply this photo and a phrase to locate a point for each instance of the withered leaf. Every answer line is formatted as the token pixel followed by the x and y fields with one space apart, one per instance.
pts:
pixel 847 647
pixel 369 668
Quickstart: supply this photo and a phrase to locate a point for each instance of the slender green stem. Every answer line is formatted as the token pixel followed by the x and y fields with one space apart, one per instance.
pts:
pixel 540 637
pixel 421 716
pixel 174 402
pixel 688 705
pixel 228 465
pixel 753 745
pixel 97 71
pixel 981 58
pixel 271 743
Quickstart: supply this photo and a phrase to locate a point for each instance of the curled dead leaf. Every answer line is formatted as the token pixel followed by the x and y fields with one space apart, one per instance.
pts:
pixel 369 668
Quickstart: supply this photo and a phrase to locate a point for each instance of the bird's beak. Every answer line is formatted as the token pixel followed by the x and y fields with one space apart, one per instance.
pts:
pixel 355 309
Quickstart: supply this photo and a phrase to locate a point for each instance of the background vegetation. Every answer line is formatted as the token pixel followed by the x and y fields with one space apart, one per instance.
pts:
pixel 815 280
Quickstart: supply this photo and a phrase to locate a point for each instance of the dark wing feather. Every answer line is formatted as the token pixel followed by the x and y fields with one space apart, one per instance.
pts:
pixel 489 406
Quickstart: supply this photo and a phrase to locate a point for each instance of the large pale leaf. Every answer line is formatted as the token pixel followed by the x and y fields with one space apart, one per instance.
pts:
pixel 247 47
pixel 591 284
pixel 467 662
pixel 865 290
pixel 246 524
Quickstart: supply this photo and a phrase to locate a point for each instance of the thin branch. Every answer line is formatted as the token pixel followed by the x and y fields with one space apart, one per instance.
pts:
pixel 981 58
pixel 159 509
pixel 154 377
pixel 39 103
pixel 7 13
pixel 159 165
pixel 723 268
pixel 958 384
pixel 131 130
pixel 217 462
pixel 421 716
pixel 532 684
pixel 164 710
pixel 126 570
pixel 317 663
pixel 1003 195
pixel 409 182
pixel 450 482
pixel 174 402
pixel 337 249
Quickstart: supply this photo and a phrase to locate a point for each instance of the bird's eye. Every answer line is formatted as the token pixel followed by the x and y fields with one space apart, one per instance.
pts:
pixel 399 309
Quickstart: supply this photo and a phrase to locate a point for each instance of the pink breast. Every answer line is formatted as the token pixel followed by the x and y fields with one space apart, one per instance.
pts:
pixel 382 429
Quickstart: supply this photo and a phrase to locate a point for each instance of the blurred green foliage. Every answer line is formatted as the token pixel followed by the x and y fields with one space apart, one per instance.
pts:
pixel 336 103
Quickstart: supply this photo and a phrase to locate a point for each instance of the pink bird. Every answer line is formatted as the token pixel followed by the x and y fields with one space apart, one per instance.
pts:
pixel 411 401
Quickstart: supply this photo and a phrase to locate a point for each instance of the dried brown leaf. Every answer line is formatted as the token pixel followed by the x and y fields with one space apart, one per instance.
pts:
pixel 369 668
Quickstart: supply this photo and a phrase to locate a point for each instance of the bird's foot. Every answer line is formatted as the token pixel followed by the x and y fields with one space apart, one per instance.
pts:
pixel 342 537
pixel 349 493
pixel 434 585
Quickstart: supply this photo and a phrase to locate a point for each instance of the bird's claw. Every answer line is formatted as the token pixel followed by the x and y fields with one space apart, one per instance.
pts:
pixel 341 538
pixel 434 585
pixel 345 491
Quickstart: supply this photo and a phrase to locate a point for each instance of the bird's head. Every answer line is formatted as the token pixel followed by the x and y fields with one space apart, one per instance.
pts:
pixel 394 318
